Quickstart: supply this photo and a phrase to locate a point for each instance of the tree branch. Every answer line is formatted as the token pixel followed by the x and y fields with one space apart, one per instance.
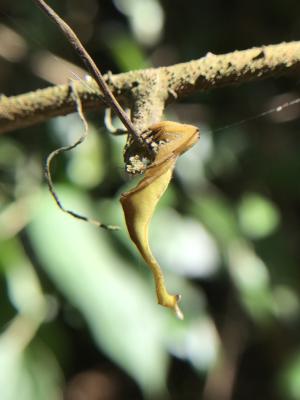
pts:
pixel 132 88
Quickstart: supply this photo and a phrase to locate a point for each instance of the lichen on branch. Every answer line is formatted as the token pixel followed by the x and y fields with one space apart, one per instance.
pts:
pixel 172 83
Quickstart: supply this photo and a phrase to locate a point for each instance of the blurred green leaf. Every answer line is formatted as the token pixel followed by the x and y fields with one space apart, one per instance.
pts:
pixel 103 287
pixel 24 288
pixel 192 251
pixel 289 380
pixel 126 52
pixel 216 214
pixel 27 373
pixel 286 303
pixel 196 341
pixel 146 19
pixel 86 166
pixel 35 374
pixel 251 277
pixel 258 216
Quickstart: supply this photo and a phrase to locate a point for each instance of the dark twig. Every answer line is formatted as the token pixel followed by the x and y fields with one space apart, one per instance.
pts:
pixel 91 66
pixel 67 148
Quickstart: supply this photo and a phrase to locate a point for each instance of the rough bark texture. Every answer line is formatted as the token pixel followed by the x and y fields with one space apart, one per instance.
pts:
pixel 147 92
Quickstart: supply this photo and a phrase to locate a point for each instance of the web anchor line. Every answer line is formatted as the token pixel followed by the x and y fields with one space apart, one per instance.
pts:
pixel 261 115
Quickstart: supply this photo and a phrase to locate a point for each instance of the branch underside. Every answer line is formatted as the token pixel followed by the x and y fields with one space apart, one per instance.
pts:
pixel 132 88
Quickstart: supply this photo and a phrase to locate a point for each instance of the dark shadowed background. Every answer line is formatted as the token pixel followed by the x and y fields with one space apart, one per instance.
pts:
pixel 78 315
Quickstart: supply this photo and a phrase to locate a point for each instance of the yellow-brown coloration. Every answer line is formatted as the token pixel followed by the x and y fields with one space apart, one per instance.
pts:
pixel 172 140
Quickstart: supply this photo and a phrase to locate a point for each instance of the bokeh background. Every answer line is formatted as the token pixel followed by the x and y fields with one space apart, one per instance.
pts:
pixel 78 312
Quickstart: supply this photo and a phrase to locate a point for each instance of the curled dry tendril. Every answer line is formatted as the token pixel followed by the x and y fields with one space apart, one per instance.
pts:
pixel 68 148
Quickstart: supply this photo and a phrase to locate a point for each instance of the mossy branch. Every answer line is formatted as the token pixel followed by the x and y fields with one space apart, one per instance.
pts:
pixel 162 85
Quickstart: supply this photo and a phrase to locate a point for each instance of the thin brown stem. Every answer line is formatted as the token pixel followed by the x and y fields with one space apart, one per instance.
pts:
pixel 91 66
